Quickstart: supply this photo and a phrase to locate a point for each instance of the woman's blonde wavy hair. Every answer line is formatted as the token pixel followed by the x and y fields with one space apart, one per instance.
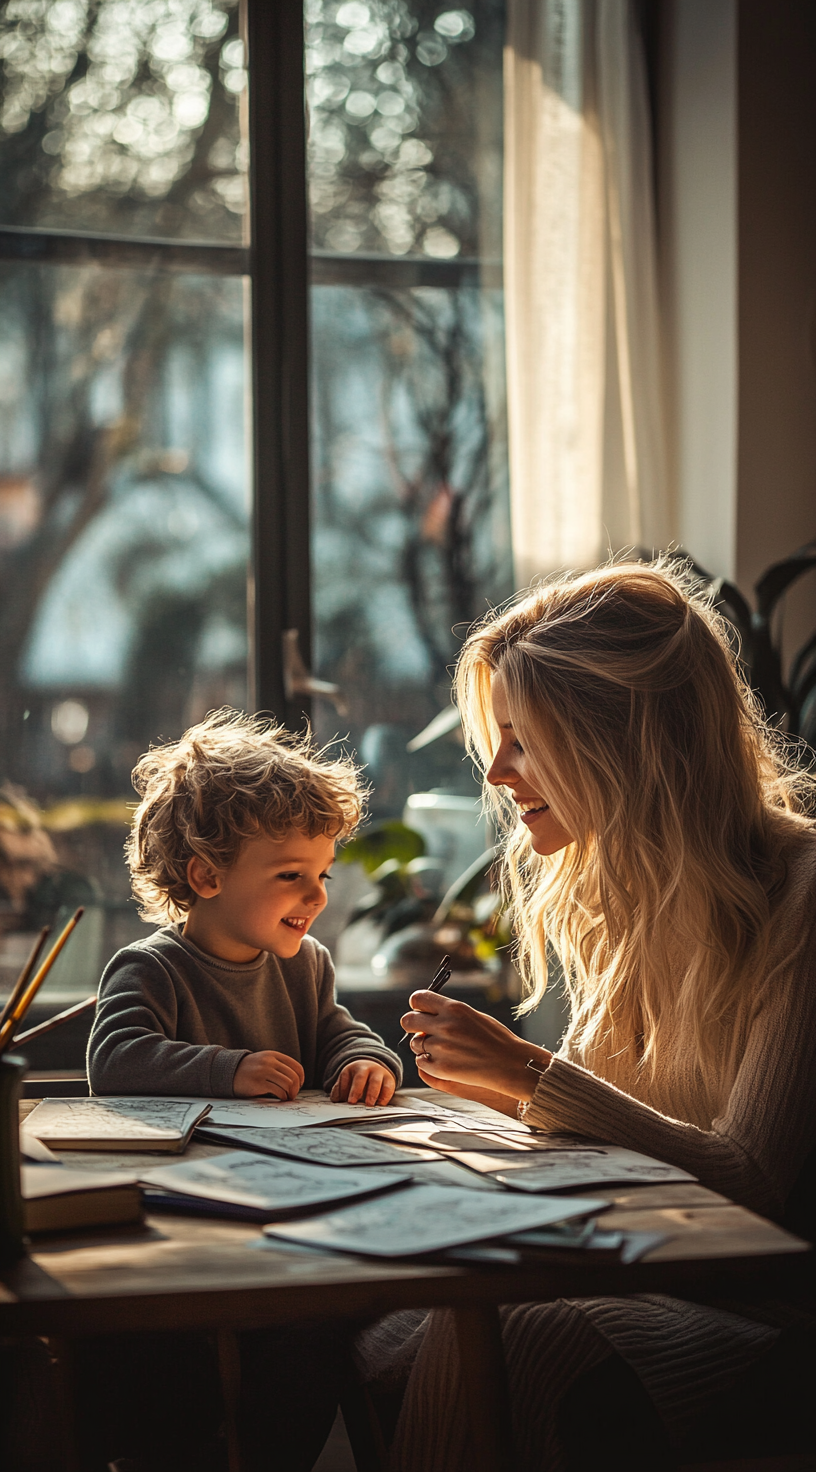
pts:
pixel 230 778
pixel 626 696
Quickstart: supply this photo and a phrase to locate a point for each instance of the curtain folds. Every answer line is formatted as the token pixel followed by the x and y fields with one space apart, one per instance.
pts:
pixel 583 351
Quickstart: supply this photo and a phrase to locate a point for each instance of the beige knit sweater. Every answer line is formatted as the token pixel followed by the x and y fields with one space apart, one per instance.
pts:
pixel 745 1130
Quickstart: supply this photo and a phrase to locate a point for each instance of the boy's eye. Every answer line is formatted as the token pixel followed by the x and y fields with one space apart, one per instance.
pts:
pixel 292 874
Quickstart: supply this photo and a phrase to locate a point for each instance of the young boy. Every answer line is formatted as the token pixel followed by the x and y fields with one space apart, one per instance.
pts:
pixel 230 852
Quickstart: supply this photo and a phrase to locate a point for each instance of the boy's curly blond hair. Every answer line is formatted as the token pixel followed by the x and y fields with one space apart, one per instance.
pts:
pixel 230 778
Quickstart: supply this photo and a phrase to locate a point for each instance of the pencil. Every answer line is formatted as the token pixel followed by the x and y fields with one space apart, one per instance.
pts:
pixel 55 1021
pixel 18 1012
pixel 22 980
pixel 441 979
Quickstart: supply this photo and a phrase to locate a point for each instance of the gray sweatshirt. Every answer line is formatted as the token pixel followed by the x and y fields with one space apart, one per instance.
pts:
pixel 172 1020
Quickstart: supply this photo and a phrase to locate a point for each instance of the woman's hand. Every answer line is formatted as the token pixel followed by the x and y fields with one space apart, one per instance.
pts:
pixel 504 1103
pixel 456 1045
pixel 268 1073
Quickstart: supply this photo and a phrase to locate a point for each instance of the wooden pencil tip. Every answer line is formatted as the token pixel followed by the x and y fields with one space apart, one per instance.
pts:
pixel 79 913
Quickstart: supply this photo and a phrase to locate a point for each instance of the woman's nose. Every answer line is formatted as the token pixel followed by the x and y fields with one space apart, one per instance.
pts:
pixel 500 772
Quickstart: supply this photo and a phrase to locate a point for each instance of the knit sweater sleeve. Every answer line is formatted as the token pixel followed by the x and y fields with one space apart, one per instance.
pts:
pixel 133 1048
pixel 755 1150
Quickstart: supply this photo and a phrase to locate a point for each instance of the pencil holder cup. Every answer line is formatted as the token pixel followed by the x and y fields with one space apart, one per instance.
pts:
pixel 12 1244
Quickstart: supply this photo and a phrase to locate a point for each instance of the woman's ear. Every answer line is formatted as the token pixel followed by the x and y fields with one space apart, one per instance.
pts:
pixel 203 879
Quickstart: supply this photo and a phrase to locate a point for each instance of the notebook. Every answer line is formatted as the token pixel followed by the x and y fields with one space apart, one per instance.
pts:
pixel 55 1199
pixel 128 1123
pixel 268 1188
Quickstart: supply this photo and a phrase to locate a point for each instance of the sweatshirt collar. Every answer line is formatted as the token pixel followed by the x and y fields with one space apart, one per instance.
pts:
pixel 237 968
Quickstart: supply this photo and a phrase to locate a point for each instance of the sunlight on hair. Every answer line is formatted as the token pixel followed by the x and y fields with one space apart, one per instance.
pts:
pixel 229 778
pixel 627 697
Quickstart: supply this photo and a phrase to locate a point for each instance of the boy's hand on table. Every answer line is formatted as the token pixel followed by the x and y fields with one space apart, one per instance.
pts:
pixel 268 1073
pixel 364 1082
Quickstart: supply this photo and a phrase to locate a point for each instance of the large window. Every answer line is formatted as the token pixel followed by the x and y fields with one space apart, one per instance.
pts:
pixel 373 286
pixel 123 466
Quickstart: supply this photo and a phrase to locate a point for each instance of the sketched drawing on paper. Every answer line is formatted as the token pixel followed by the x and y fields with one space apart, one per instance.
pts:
pixel 119 1118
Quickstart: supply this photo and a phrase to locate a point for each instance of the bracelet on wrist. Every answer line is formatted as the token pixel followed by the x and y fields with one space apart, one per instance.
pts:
pixel 524 1104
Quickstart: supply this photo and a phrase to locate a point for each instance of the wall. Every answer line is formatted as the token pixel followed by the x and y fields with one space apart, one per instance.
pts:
pixel 697 207
pixel 776 454
pixel 736 125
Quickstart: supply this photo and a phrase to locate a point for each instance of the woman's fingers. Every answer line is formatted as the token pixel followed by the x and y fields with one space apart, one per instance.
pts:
pixel 428 1002
pixel 427 1005
pixel 504 1103
pixel 456 1042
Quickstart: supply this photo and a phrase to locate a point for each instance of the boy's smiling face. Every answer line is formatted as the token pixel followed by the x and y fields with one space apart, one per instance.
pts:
pixel 265 901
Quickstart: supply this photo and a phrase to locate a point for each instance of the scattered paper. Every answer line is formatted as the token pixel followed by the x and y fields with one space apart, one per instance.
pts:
pixel 246 1179
pixel 43 1180
pixel 300 1113
pixel 624 1247
pixel 131 1118
pixel 447 1137
pixel 321 1147
pixel 427 1219
pixel 429 1109
pixel 33 1149
pixel 561 1169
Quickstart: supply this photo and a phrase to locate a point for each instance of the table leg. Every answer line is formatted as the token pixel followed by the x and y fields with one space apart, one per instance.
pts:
pixel 62 1359
pixel 229 1369
pixel 484 1374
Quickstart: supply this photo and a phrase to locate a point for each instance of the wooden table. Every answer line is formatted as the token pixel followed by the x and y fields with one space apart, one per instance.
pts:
pixel 182 1273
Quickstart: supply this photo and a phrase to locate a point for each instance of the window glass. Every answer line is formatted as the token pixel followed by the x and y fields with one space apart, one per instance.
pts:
pixel 123 116
pixel 410 539
pixel 123 552
pixel 410 500
pixel 405 133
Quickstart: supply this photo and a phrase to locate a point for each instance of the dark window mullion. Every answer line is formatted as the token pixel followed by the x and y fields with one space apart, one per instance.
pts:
pixel 80 248
pixel 400 273
pixel 279 272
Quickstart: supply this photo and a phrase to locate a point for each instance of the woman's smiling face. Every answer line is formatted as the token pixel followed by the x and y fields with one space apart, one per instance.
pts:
pixel 511 768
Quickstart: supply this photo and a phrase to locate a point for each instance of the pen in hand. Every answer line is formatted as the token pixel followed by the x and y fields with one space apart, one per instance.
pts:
pixel 441 979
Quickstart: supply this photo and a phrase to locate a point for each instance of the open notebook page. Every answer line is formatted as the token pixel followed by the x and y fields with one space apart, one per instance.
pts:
pixel 114 1120
pixel 311 1107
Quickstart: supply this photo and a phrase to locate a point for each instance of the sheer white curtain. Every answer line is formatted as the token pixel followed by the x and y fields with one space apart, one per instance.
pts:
pixel 586 437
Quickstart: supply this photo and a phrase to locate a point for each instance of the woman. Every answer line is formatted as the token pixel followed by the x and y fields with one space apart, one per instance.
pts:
pixel 655 841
